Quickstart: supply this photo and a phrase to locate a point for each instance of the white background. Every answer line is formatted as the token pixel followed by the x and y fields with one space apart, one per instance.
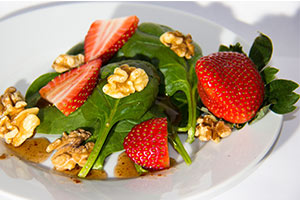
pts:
pixel 278 176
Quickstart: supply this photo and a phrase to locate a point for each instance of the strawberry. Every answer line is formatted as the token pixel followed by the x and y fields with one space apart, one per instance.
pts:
pixel 69 90
pixel 106 37
pixel 230 86
pixel 147 144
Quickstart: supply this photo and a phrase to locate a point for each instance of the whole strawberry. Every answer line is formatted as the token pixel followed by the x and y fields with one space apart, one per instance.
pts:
pixel 147 144
pixel 230 86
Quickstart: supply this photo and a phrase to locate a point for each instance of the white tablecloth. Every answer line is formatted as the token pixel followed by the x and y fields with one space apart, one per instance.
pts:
pixel 278 176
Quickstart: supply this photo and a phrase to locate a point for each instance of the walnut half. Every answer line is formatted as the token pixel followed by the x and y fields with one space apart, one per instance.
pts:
pixel 66 62
pixel 179 43
pixel 209 128
pixel 16 123
pixel 125 81
pixel 70 150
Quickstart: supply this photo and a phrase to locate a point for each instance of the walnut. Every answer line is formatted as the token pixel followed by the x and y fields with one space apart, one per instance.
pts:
pixel 66 62
pixel 125 81
pixel 16 123
pixel 70 150
pixel 179 43
pixel 209 128
pixel 222 129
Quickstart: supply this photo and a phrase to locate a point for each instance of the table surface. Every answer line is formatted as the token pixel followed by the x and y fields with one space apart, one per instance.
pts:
pixel 277 177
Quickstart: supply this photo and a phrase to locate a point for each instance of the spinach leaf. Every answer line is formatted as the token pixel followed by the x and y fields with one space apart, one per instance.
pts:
pixel 108 111
pixel 54 121
pixel 32 94
pixel 261 51
pixel 77 49
pixel 178 73
pixel 114 141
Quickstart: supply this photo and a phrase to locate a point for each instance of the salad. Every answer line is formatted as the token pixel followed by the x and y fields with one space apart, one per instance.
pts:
pixel 135 86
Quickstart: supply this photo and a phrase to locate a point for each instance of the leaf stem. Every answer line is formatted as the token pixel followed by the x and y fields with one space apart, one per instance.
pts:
pixel 192 115
pixel 96 150
pixel 178 146
pixel 140 170
pixel 183 129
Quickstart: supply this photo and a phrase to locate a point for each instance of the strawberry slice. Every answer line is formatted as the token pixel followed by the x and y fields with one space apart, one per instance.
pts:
pixel 106 37
pixel 230 86
pixel 69 90
pixel 147 144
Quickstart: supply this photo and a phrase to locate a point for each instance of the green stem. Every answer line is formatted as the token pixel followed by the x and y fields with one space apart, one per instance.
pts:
pixel 192 115
pixel 101 137
pixel 178 146
pixel 140 169
pixel 96 150
pixel 192 118
pixel 183 129
pixel 99 163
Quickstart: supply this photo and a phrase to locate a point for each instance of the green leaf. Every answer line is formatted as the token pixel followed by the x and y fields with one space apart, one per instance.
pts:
pixel 77 49
pixel 108 111
pixel 280 87
pixel 280 94
pixel 285 104
pixel 235 48
pixel 154 29
pixel 54 121
pixel 178 73
pixel 192 76
pixel 268 74
pixel 261 51
pixel 32 94
pixel 260 114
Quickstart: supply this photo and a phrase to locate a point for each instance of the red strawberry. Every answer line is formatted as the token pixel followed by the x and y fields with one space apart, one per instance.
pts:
pixel 70 90
pixel 147 144
pixel 230 86
pixel 105 37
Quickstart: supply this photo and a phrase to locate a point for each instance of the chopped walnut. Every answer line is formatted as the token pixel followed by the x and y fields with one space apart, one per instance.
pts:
pixel 209 128
pixel 16 123
pixel 125 81
pixel 179 43
pixel 222 129
pixel 66 62
pixel 70 150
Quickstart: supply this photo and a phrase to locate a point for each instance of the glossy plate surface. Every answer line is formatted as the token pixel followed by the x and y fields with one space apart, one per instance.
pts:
pixel 31 40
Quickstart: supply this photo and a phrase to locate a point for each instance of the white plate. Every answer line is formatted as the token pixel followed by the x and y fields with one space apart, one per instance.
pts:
pixel 30 41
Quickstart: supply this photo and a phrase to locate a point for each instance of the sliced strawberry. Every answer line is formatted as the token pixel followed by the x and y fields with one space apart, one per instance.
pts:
pixel 106 37
pixel 70 90
pixel 230 86
pixel 147 144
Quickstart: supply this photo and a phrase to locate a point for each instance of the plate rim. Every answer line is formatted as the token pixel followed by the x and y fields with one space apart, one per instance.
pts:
pixel 32 8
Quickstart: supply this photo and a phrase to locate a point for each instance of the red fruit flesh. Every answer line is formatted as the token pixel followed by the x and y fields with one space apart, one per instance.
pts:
pixel 106 37
pixel 230 86
pixel 69 90
pixel 147 144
